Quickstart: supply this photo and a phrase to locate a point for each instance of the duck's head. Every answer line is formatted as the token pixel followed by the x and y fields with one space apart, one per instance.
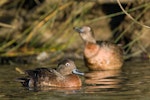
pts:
pixel 86 33
pixel 67 66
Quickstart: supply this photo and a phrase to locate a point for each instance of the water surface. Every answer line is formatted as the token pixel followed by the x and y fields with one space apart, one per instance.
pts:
pixel 132 82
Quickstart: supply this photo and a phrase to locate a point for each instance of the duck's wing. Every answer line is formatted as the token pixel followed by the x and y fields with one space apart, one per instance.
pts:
pixel 39 75
pixel 41 72
pixel 44 74
pixel 111 45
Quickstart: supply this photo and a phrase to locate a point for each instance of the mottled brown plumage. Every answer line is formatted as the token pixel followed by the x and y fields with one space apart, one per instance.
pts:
pixel 102 55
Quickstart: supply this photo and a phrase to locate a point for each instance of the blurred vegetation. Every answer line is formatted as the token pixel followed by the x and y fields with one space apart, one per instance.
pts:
pixel 29 27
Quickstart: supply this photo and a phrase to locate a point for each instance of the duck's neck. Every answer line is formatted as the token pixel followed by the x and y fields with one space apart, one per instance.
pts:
pixel 90 49
pixel 91 41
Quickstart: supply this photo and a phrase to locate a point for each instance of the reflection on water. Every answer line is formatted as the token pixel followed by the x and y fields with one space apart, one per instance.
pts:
pixel 68 90
pixel 102 79
pixel 132 82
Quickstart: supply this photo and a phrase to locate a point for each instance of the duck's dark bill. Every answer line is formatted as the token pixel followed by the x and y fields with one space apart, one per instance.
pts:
pixel 76 71
pixel 78 29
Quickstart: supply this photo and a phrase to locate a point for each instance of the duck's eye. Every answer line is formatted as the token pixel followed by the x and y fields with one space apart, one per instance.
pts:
pixel 67 64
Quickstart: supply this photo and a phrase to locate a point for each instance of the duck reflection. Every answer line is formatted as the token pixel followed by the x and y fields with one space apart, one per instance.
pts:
pixel 65 90
pixel 102 79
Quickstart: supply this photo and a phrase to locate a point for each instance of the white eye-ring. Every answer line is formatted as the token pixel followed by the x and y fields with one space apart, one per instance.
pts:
pixel 67 64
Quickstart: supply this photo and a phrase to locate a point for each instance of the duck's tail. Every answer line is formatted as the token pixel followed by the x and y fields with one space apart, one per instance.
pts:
pixel 23 81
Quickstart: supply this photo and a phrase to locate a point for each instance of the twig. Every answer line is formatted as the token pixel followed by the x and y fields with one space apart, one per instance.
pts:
pixel 118 1
pixel 6 25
